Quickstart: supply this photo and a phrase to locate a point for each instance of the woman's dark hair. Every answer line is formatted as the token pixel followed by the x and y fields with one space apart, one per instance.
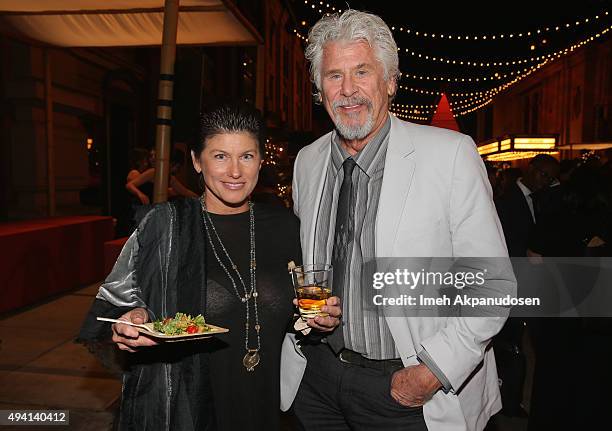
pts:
pixel 231 118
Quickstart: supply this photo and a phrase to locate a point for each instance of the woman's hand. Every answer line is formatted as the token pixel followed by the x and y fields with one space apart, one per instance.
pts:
pixel 326 323
pixel 144 199
pixel 129 338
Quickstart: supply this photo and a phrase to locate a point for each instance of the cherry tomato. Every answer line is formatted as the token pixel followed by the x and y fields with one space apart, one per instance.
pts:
pixel 192 329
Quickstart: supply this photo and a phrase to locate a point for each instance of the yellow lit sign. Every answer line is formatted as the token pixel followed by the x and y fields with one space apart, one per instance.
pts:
pixel 505 144
pixel 488 148
pixel 534 141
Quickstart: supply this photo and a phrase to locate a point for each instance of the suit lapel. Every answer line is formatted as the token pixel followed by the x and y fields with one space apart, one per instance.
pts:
pixel 397 179
pixel 318 168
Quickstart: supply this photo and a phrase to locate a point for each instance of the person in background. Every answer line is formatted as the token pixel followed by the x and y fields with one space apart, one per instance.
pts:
pixel 515 204
pixel 492 174
pixel 139 162
pixel 574 219
pixel 516 210
pixel 507 178
pixel 141 183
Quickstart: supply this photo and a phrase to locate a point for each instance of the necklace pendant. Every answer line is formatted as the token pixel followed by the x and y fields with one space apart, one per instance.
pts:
pixel 251 359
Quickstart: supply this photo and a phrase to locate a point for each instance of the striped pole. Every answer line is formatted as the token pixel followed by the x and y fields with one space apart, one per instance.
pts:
pixel 164 102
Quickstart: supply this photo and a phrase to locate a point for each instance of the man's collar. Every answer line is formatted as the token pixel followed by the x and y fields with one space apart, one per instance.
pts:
pixel 367 155
pixel 526 191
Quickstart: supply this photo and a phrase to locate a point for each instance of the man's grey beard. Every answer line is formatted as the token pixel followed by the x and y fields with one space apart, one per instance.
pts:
pixel 348 132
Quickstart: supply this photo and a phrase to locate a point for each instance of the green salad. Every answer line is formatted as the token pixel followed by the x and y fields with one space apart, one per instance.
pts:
pixel 181 324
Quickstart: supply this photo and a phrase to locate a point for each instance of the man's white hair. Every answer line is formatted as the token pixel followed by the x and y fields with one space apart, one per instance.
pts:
pixel 352 26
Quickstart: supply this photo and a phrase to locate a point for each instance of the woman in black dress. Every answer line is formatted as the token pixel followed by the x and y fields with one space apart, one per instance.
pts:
pixel 221 256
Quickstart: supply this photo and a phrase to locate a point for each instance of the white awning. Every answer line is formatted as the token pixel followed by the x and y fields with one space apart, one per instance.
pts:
pixel 87 23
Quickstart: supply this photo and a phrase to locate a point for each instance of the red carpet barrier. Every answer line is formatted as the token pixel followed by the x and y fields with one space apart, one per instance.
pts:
pixel 39 258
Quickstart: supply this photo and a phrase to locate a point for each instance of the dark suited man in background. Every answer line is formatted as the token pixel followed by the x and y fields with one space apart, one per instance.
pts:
pixel 517 212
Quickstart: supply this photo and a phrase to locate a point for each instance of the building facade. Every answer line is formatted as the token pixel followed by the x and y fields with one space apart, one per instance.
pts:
pixel 571 97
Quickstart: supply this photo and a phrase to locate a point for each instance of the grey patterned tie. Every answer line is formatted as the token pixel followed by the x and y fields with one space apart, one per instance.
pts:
pixel 343 239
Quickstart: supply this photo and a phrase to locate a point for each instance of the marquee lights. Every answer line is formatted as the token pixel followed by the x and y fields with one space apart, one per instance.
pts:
pixel 516 155
pixel 514 147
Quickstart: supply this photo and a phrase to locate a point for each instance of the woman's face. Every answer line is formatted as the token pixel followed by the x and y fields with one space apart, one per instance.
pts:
pixel 230 164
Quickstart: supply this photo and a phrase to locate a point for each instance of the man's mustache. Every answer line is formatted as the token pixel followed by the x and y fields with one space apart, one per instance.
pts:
pixel 351 101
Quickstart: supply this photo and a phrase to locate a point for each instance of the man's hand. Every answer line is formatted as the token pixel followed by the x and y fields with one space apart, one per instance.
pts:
pixel 414 385
pixel 129 338
pixel 327 323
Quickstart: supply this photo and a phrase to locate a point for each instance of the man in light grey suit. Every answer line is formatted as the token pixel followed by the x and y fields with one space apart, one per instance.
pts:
pixel 380 187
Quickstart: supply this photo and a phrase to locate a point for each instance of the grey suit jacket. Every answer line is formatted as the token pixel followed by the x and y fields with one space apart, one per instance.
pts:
pixel 435 201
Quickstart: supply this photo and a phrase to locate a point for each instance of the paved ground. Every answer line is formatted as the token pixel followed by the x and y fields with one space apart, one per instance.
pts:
pixel 42 368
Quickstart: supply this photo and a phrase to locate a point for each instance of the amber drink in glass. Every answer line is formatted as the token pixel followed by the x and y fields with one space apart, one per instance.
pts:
pixel 312 285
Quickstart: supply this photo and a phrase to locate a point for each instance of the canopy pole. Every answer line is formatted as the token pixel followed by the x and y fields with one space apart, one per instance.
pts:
pixel 164 102
pixel 49 135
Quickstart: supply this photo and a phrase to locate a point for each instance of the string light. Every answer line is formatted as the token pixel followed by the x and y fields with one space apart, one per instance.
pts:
pixel 484 37
pixel 481 63
pixel 420 90
pixel 532 69
pixel 322 8
pixel 496 76
pixel 399 105
pixel 475 108
pixel 532 33
pixel 410 117
pixel 468 103
pixel 297 33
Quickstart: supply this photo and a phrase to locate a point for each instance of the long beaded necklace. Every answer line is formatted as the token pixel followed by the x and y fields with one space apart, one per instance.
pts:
pixel 251 358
